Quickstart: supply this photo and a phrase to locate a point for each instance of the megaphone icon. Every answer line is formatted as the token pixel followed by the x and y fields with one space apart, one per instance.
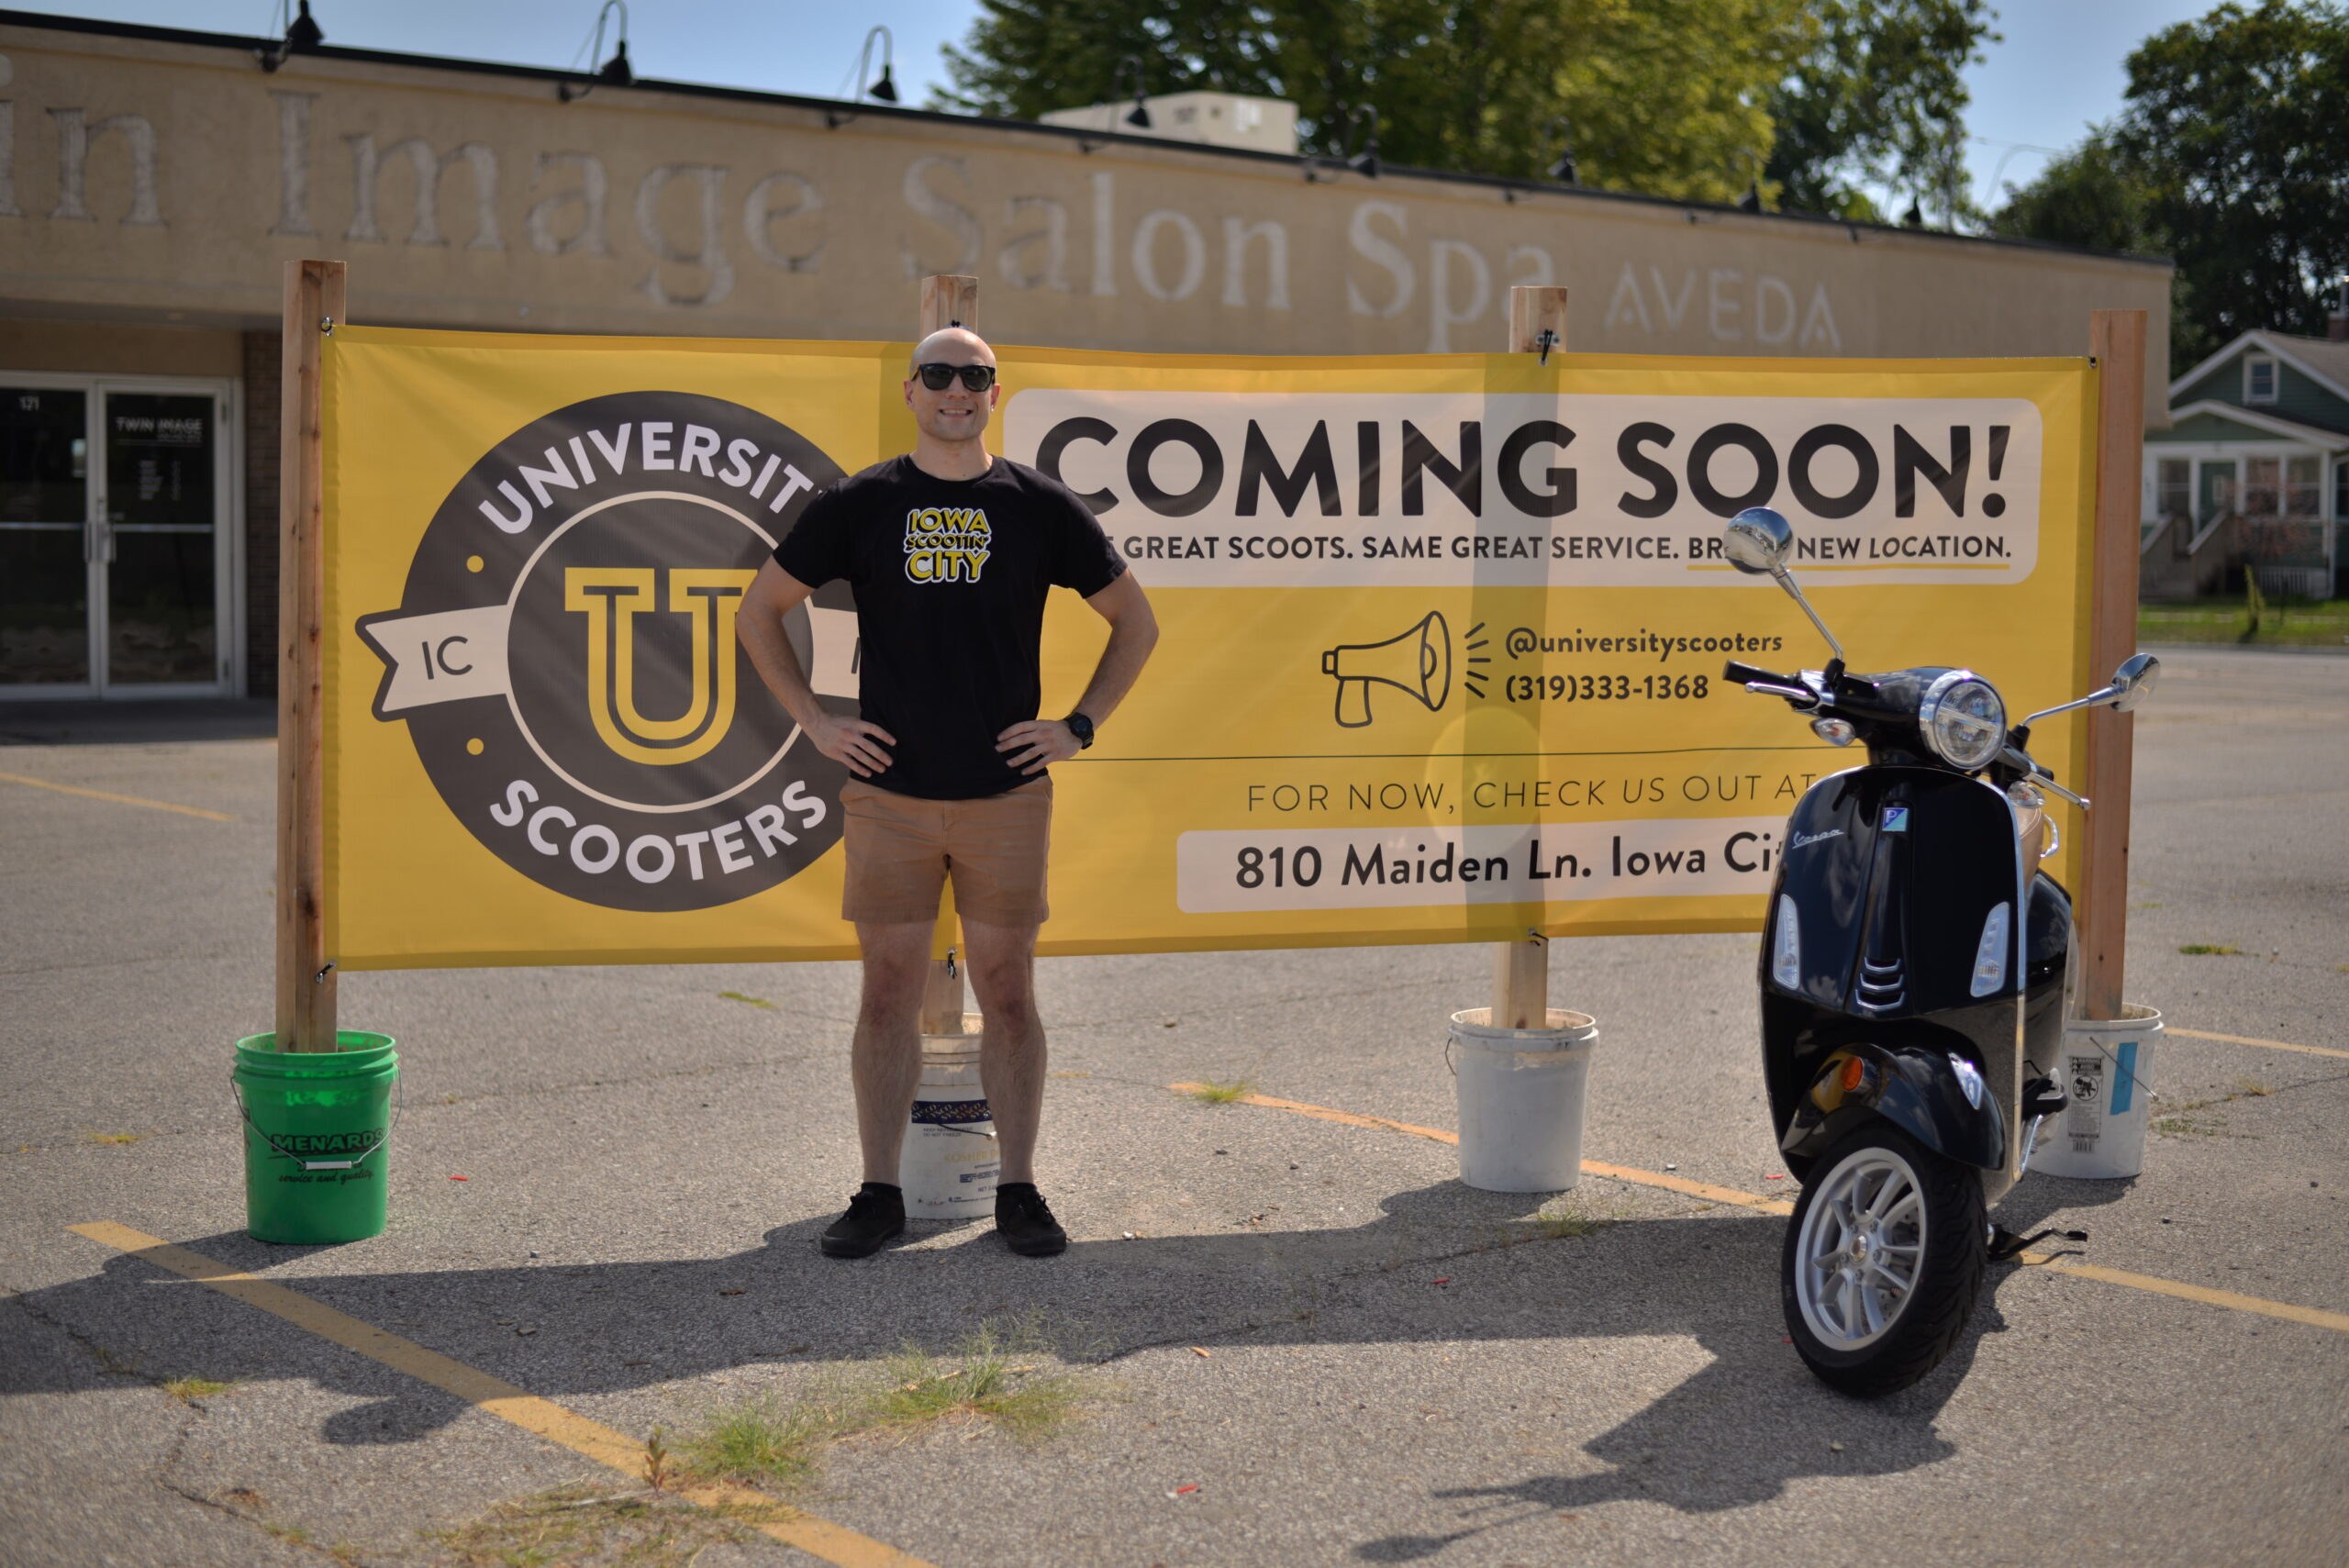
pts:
pixel 1417 661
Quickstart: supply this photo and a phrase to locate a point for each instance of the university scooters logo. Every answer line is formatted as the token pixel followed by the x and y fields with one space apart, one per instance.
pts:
pixel 565 654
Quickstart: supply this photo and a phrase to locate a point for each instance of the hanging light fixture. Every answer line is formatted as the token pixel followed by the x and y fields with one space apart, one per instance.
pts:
pixel 1138 116
pixel 1563 171
pixel 1365 163
pixel 301 33
pixel 885 90
pixel 615 71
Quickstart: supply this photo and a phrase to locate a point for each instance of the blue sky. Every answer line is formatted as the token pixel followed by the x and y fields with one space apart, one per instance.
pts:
pixel 2057 71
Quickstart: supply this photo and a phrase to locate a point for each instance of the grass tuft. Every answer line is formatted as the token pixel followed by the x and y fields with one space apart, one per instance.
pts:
pixel 1561 1226
pixel 747 1001
pixel 188 1390
pixel 2183 1122
pixel 581 1524
pixel 758 1442
pixel 994 1378
pixel 2209 949
pixel 987 1380
pixel 115 1365
pixel 1214 1093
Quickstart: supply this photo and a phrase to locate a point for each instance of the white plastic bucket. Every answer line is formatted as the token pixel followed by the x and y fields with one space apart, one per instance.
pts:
pixel 1521 1094
pixel 948 1164
pixel 2107 1070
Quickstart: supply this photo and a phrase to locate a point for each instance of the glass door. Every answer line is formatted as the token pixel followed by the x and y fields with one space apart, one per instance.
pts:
pixel 115 544
pixel 45 538
pixel 2218 491
pixel 161 540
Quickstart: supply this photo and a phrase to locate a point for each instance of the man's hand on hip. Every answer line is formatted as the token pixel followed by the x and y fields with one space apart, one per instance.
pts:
pixel 1037 744
pixel 852 741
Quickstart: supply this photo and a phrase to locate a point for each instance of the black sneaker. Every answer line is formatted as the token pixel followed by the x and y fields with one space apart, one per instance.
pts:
pixel 875 1213
pixel 1025 1221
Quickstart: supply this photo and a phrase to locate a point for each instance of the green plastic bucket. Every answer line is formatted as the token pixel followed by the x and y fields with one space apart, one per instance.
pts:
pixel 315 1123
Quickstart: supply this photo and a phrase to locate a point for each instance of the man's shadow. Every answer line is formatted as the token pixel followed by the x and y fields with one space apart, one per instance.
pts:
pixel 1736 1433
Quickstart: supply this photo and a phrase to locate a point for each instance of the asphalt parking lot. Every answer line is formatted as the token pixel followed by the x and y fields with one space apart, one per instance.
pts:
pixel 1278 1338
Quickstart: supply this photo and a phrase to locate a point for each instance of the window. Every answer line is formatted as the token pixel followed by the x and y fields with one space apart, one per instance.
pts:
pixel 2341 493
pixel 2174 492
pixel 2303 486
pixel 2258 379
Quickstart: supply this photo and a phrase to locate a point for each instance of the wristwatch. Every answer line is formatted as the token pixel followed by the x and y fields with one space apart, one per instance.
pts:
pixel 1082 728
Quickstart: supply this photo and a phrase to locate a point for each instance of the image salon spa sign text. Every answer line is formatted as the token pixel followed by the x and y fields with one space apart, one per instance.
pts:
pixel 1441 653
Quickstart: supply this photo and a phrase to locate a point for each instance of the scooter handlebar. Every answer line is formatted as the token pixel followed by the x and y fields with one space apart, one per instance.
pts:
pixel 1744 674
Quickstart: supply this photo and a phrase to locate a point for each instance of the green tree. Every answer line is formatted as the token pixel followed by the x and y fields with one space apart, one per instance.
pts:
pixel 2093 195
pixel 2234 125
pixel 1671 97
pixel 2226 158
pixel 1878 97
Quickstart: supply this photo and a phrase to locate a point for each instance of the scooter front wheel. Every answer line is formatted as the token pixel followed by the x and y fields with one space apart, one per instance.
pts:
pixel 1883 1261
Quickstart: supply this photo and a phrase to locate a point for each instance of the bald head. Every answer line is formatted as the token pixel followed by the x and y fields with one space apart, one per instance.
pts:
pixel 953 346
pixel 951 418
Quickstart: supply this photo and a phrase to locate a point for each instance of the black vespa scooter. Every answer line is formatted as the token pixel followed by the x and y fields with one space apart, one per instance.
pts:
pixel 1913 976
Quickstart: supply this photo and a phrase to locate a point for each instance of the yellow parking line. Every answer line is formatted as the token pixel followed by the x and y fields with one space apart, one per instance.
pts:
pixel 1694 1189
pixel 819 1537
pixel 2271 1044
pixel 119 799
pixel 2315 1316
pixel 1323 1113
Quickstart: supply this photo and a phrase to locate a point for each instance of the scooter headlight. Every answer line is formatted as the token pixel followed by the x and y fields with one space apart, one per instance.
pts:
pixel 1964 720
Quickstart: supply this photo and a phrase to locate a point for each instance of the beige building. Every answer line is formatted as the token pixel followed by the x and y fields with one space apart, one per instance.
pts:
pixel 154 182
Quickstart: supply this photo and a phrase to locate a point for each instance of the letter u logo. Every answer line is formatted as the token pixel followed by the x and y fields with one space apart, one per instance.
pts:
pixel 611 597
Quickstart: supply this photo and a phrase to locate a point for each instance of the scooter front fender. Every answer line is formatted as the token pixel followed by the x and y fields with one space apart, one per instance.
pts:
pixel 1917 1087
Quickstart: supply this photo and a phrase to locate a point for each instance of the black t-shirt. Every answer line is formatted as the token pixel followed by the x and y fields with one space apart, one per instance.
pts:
pixel 950 576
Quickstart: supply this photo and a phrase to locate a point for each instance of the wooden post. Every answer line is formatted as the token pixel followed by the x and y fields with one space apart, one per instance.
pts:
pixel 1521 984
pixel 1521 969
pixel 2117 339
pixel 1533 311
pixel 947 300
pixel 306 985
pixel 941 991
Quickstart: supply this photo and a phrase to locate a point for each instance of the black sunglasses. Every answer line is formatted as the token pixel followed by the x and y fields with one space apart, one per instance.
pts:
pixel 977 378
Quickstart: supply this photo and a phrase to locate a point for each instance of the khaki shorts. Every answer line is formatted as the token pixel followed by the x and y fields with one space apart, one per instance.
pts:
pixel 901 850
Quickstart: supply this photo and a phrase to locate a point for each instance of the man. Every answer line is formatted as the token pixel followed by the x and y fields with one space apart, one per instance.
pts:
pixel 950 551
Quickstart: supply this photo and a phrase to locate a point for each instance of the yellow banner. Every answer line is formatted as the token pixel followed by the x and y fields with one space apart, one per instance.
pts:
pixel 1442 652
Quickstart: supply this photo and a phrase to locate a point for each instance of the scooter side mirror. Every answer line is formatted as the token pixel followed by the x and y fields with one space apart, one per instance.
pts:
pixel 2133 682
pixel 1758 541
